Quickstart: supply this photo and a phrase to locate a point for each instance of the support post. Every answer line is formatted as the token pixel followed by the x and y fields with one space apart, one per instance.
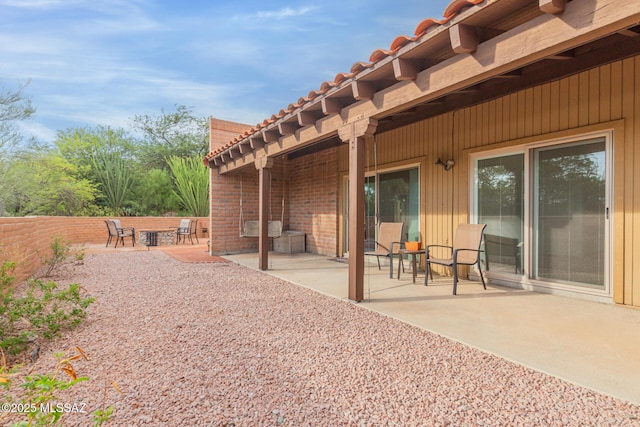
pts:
pixel 356 135
pixel 264 165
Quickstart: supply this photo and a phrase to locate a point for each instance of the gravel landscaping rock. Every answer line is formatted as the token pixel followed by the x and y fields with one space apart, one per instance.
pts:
pixel 223 345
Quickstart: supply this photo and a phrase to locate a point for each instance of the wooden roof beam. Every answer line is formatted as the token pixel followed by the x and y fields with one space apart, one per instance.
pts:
pixel 256 142
pixel 362 90
pixel 287 128
pixel 306 118
pixel 271 136
pixel 244 147
pixel 553 7
pixel 629 33
pixel 563 56
pixel 530 42
pixel 404 69
pixel 331 106
pixel 464 38
pixel 234 152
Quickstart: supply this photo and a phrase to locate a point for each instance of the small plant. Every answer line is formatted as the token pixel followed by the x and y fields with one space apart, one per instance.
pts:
pixel 39 402
pixel 79 256
pixel 45 308
pixel 59 252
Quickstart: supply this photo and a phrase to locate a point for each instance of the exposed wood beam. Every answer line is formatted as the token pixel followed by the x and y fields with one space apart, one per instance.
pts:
pixel 512 75
pixel 287 128
pixel 244 147
pixel 256 143
pixel 234 152
pixel 224 156
pixel 464 38
pixel 563 56
pixel 270 136
pixel 404 69
pixel 216 161
pixel 629 33
pixel 331 106
pixel 306 118
pixel 553 7
pixel 362 90
pixel 530 42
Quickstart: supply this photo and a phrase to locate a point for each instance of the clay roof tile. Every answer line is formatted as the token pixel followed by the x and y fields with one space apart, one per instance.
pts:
pixel 360 66
pixel 378 55
pixel 422 27
pixel 401 41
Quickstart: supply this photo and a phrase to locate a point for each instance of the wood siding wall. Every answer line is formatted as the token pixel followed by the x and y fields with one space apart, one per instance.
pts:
pixel 569 106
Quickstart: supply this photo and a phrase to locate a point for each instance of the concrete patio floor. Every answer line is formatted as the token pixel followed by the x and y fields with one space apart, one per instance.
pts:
pixel 587 343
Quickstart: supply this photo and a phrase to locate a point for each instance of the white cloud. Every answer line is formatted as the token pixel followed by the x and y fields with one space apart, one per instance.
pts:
pixel 278 15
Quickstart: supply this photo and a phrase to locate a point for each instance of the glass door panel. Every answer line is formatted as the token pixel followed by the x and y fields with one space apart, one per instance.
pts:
pixel 499 200
pixel 370 213
pixel 569 213
pixel 399 201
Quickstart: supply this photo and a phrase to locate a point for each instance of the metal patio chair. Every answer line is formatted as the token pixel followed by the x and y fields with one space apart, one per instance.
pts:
pixel 183 231
pixel 388 243
pixel 115 229
pixel 465 251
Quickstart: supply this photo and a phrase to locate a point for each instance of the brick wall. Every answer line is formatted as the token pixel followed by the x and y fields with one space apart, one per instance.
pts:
pixel 223 131
pixel 227 191
pixel 25 240
pixel 313 182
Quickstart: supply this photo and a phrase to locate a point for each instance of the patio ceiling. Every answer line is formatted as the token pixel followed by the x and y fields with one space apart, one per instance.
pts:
pixel 476 53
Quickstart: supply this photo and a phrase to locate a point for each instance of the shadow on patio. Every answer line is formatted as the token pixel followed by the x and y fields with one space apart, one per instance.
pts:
pixel 591 344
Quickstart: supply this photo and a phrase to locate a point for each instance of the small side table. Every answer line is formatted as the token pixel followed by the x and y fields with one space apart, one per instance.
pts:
pixel 414 261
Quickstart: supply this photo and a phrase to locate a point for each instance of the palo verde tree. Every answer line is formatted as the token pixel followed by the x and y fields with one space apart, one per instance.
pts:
pixel 191 180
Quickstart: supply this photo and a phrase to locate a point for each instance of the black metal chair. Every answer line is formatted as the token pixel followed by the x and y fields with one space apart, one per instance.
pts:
pixel 193 231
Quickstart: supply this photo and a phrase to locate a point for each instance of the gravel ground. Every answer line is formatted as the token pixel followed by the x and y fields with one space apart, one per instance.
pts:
pixel 222 345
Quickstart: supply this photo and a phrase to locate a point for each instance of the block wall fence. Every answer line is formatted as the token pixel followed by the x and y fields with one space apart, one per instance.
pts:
pixel 26 240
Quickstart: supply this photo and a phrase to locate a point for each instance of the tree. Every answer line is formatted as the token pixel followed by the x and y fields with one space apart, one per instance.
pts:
pixel 105 156
pixel 191 179
pixel 14 106
pixel 153 193
pixel 46 184
pixel 179 134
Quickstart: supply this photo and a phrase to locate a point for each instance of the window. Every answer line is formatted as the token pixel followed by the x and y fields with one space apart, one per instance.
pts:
pixel 546 210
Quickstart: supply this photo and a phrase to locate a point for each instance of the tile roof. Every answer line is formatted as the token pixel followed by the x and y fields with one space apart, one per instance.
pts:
pixel 451 11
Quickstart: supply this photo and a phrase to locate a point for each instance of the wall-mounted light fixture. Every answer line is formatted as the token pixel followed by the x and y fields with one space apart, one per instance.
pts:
pixel 446 165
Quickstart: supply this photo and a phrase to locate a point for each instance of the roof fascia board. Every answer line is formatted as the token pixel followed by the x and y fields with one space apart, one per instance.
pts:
pixel 582 21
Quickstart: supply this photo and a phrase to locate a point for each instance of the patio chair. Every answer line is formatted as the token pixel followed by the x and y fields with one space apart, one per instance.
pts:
pixel 183 230
pixel 465 251
pixel 115 229
pixel 388 243
pixel 193 231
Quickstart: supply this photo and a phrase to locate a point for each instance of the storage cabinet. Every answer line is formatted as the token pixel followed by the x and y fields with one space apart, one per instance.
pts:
pixel 290 242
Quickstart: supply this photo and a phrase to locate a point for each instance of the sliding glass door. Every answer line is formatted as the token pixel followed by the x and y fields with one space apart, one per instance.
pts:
pixel 500 205
pixel 569 213
pixel 547 215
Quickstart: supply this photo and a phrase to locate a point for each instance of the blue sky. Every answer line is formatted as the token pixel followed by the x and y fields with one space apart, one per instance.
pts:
pixel 101 62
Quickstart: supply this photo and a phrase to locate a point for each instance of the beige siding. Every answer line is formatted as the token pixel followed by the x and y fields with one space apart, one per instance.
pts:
pixel 568 106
